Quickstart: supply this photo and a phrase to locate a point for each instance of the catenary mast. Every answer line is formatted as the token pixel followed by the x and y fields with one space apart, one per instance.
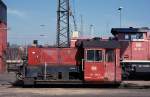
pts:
pixel 63 32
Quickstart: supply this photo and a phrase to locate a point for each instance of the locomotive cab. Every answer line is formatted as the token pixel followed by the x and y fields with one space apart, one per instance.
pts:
pixel 101 61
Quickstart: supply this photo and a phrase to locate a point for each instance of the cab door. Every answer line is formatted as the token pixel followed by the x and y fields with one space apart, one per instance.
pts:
pixel 110 64
pixel 94 68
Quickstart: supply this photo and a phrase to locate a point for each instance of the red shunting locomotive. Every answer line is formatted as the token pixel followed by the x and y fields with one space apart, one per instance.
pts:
pixel 91 61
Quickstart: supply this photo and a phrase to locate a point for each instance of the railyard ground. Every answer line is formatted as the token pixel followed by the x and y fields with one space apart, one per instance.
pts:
pixel 127 89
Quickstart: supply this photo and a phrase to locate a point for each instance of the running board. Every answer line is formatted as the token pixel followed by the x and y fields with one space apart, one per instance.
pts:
pixel 58 82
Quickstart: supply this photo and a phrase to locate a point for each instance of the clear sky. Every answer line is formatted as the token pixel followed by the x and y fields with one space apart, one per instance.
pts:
pixel 26 16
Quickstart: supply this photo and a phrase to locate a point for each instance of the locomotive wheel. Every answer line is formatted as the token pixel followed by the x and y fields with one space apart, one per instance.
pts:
pixel 19 76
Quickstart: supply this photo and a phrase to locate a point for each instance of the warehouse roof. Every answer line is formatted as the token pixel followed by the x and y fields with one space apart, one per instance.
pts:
pixel 2 3
pixel 3 12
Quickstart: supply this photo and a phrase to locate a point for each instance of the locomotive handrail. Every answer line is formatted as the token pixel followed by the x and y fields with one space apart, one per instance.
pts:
pixel 83 64
pixel 136 61
pixel 14 61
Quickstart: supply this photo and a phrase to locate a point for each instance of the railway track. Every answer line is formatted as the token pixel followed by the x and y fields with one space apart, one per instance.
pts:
pixel 8 79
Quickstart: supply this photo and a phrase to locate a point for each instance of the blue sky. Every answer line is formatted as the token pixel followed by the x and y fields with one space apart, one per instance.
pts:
pixel 26 16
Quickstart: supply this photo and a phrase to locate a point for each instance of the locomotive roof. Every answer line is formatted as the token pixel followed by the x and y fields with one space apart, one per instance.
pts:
pixel 98 43
pixel 130 30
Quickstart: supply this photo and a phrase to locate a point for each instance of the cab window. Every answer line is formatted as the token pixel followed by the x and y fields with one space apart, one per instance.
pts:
pixel 137 36
pixel 90 55
pixel 134 36
pixel 94 55
pixel 127 37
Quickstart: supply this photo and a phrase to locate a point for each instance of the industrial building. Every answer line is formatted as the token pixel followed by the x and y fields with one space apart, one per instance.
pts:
pixel 3 34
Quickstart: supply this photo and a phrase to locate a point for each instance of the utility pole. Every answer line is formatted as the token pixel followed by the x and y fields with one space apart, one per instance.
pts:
pixel 63 31
pixel 91 30
pixel 120 12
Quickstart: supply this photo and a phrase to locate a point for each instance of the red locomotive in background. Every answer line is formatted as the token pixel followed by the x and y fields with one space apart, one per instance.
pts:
pixel 135 51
